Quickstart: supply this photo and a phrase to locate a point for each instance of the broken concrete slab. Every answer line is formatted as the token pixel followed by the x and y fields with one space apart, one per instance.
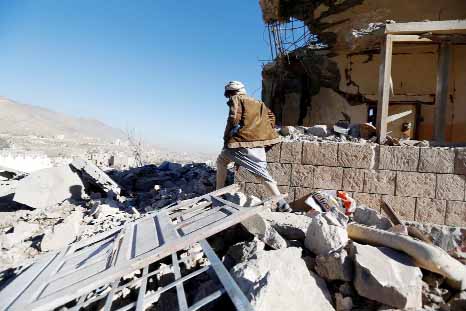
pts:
pixel 336 266
pixel 63 233
pixel 21 231
pixel 323 238
pixel 279 280
pixel 370 217
pixel 244 251
pixel 257 226
pixel 290 226
pixel 387 276
pixel 97 176
pixel 48 187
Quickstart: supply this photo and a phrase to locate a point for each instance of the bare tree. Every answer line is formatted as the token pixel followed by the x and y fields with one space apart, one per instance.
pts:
pixel 137 147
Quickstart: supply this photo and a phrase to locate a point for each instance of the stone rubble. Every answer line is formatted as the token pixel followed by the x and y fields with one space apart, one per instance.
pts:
pixel 387 276
pixel 292 261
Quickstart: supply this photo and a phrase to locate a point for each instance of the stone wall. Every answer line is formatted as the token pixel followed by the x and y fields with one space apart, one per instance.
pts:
pixel 421 184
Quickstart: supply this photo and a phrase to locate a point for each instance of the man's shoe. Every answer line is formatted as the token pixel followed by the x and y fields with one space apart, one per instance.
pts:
pixel 283 207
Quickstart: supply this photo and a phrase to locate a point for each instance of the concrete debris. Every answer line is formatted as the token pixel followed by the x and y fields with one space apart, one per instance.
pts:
pixel 323 238
pixel 8 173
pixel 318 130
pixel 370 217
pixel 336 266
pixel 244 251
pixel 290 226
pixel 21 231
pixel 260 228
pixel 450 239
pixel 63 233
pixel 97 176
pixel 48 187
pixel 387 276
pixel 279 280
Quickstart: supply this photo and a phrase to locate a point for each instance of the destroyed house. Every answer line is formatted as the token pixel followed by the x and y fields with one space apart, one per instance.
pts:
pixel 327 58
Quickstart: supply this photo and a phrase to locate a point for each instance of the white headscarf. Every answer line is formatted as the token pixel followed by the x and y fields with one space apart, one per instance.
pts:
pixel 235 86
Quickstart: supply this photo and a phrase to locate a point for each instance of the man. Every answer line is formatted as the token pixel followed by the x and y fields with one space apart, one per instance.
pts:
pixel 250 128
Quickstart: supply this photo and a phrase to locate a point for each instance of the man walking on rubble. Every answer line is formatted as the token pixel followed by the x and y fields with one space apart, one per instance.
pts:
pixel 249 129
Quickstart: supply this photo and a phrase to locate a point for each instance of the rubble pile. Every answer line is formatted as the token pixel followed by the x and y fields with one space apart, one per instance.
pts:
pixel 337 255
pixel 314 261
pixel 51 208
pixel 357 133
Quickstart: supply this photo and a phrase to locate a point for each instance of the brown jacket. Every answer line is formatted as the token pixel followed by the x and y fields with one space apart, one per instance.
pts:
pixel 256 120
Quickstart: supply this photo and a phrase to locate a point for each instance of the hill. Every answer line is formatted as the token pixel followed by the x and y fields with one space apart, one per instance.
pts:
pixel 22 119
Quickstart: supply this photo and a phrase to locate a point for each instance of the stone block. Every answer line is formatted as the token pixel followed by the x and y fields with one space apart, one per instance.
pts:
pixel 357 155
pixel 353 179
pixel 373 201
pixel 405 207
pixel 410 184
pixel 302 175
pixel 398 158
pixel 460 161
pixel 328 177
pixel 450 187
pixel 382 182
pixel 291 152
pixel 273 154
pixel 243 175
pixel 437 160
pixel 431 211
pixel 456 213
pixel 320 153
pixel 280 172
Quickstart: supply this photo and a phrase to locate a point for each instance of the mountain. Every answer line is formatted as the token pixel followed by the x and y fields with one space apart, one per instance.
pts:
pixel 22 119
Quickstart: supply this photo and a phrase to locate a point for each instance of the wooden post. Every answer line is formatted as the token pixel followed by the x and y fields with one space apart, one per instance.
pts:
pixel 384 88
pixel 441 94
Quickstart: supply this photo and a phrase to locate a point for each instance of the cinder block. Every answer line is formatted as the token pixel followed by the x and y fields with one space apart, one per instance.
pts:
pixel 456 213
pixel 381 182
pixel 243 175
pixel 316 153
pixel 405 207
pixel 353 179
pixel 398 158
pixel 420 185
pixel 431 211
pixel 460 161
pixel 450 187
pixel 437 160
pixel 373 201
pixel 291 152
pixel 302 175
pixel 328 177
pixel 357 155
pixel 280 172
pixel 273 153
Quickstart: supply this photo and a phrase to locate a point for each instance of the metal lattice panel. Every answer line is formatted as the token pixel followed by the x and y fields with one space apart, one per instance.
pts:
pixel 94 267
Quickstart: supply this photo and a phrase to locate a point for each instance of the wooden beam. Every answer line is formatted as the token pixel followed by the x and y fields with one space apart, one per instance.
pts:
pixel 441 94
pixel 409 38
pixel 383 98
pixel 450 26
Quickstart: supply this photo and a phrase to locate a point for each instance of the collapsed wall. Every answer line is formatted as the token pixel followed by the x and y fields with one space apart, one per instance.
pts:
pixel 311 86
pixel 423 184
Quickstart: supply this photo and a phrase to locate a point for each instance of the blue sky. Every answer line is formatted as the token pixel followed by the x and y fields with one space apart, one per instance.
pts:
pixel 157 66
